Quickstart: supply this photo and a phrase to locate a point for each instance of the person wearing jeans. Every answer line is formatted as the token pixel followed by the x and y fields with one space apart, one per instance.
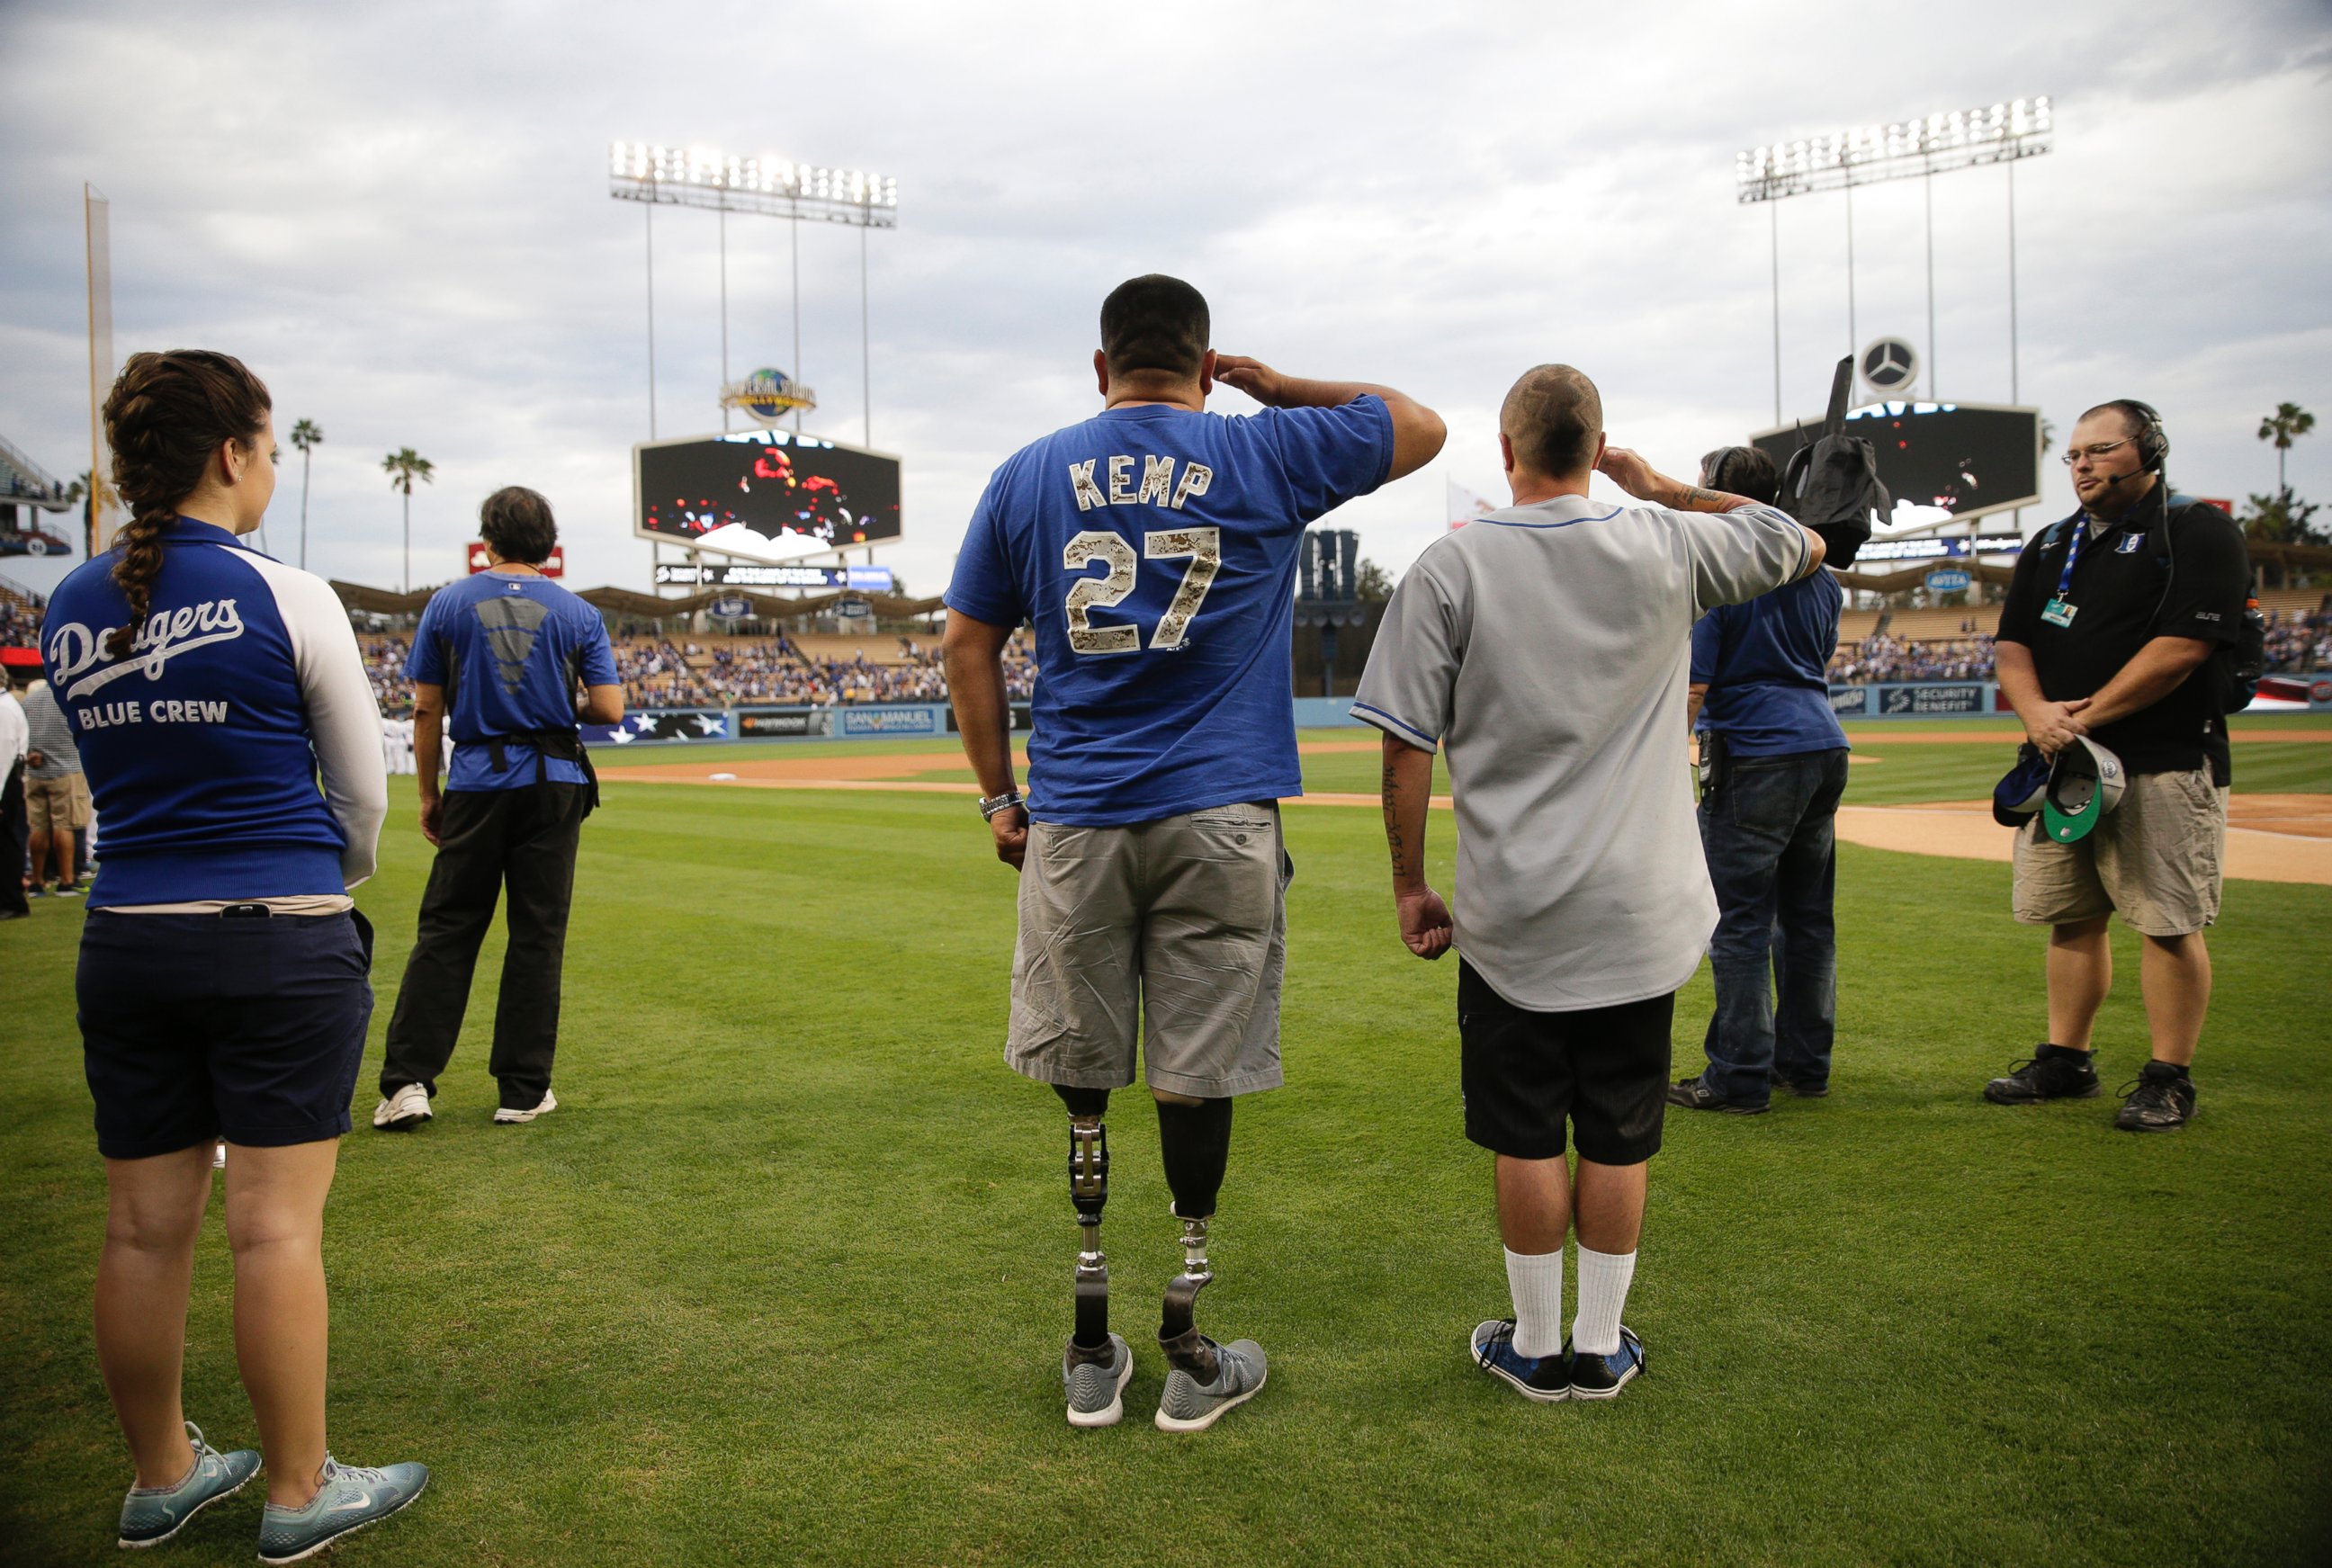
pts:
pixel 1774 761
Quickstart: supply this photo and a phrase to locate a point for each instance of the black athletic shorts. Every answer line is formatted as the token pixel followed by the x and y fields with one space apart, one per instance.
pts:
pixel 195 1026
pixel 1605 1070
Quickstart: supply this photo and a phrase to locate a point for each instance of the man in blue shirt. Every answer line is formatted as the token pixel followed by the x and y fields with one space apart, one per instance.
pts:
pixel 1153 550
pixel 504 655
pixel 1775 759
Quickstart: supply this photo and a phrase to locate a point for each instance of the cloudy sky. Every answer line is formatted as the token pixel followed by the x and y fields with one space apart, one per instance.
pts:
pixel 398 216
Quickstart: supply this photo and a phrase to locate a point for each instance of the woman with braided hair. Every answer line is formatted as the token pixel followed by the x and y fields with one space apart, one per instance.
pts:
pixel 223 981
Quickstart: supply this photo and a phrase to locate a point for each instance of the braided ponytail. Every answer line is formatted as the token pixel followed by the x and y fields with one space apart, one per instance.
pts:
pixel 166 415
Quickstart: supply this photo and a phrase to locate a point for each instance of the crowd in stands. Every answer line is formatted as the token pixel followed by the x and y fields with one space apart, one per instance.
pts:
pixel 20 622
pixel 2299 643
pixel 1884 658
pixel 660 672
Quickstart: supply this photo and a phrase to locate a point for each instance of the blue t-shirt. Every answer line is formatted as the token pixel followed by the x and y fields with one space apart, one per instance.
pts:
pixel 510 650
pixel 203 743
pixel 1766 665
pixel 1153 552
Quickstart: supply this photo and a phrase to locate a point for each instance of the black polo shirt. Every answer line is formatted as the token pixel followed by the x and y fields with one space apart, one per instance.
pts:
pixel 2118 606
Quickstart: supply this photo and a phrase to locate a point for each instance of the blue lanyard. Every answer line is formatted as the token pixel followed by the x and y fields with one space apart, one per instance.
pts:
pixel 2072 558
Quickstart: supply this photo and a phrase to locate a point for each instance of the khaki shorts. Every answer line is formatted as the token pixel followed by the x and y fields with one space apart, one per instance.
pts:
pixel 60 802
pixel 2156 857
pixel 1178 927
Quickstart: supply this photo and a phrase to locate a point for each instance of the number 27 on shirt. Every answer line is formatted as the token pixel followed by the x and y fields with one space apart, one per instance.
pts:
pixel 1202 546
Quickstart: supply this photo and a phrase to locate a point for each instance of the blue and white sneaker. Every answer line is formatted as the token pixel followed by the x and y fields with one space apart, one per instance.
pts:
pixel 152 1514
pixel 350 1500
pixel 1602 1377
pixel 1097 1389
pixel 1544 1378
pixel 1188 1405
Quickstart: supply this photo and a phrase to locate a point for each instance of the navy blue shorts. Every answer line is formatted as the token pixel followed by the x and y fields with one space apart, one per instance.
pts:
pixel 195 1026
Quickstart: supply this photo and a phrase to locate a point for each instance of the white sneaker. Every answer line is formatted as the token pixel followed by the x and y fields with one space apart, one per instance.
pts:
pixel 218 1155
pixel 507 1117
pixel 408 1107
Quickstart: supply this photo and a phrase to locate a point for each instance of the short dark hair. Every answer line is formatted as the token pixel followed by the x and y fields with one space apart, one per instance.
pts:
pixel 2133 417
pixel 1154 322
pixel 1740 470
pixel 517 525
pixel 1552 416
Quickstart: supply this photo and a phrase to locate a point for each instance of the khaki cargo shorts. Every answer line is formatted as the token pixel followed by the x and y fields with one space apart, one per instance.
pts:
pixel 60 802
pixel 2156 857
pixel 1177 926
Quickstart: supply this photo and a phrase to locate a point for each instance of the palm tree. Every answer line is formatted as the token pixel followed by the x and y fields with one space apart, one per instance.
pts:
pixel 403 466
pixel 2286 424
pixel 307 438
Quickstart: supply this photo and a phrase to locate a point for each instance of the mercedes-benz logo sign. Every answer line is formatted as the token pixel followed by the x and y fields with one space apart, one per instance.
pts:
pixel 1889 365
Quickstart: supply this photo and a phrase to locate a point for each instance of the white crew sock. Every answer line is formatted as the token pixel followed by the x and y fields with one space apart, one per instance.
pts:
pixel 1603 1280
pixel 1536 1285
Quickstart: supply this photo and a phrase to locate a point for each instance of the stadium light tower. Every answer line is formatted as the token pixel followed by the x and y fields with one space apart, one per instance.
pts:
pixel 767 188
pixel 2001 133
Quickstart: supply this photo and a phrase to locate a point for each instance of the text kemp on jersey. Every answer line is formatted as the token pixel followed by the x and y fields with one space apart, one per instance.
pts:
pixel 1157 483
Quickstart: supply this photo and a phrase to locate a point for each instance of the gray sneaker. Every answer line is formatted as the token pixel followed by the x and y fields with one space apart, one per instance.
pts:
pixel 1096 1389
pixel 1188 1405
pixel 152 1514
pixel 350 1500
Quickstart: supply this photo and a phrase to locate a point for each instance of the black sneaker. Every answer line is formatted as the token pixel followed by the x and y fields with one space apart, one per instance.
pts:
pixel 2051 1073
pixel 1693 1095
pixel 1802 1091
pixel 1602 1377
pixel 2161 1101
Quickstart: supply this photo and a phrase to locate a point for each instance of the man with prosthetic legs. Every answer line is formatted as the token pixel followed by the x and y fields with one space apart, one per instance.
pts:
pixel 1152 549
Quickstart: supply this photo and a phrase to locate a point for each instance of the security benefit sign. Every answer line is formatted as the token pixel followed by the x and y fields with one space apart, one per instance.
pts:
pixel 1938 698
pixel 660 725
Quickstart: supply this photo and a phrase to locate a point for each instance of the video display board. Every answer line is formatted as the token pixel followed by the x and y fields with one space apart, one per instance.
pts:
pixel 1939 461
pixel 763 495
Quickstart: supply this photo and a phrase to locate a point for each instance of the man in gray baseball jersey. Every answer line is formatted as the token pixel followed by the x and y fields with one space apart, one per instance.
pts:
pixel 1545 649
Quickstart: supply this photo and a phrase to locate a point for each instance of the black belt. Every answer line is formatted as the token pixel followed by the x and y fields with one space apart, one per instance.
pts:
pixel 563 744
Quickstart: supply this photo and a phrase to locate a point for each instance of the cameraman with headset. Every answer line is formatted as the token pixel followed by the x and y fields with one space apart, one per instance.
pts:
pixel 2120 625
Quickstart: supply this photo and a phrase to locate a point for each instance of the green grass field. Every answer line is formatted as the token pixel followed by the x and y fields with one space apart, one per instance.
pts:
pixel 785 1278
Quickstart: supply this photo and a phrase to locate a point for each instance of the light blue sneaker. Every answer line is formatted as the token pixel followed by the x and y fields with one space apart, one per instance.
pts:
pixel 152 1514
pixel 350 1500
pixel 1188 1405
pixel 1097 1389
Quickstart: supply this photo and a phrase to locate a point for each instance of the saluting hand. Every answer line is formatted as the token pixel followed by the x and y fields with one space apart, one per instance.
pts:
pixel 1010 828
pixel 1425 924
pixel 1252 377
pixel 1629 472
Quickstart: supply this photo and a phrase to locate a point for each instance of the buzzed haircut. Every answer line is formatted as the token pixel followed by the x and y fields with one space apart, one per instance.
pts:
pixel 2133 421
pixel 1552 416
pixel 1154 323
pixel 517 525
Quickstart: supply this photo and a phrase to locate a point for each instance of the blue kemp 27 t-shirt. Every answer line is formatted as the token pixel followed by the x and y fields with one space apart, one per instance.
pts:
pixel 1766 665
pixel 1153 549
pixel 510 650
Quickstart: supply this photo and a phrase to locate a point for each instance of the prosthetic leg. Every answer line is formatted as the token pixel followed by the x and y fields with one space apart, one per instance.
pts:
pixel 1089 1191
pixel 1195 1140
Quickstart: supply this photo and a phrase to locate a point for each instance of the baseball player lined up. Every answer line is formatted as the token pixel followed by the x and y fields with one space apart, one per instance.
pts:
pixel 1153 548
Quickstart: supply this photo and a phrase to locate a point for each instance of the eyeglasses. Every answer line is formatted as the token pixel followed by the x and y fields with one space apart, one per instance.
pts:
pixel 2075 453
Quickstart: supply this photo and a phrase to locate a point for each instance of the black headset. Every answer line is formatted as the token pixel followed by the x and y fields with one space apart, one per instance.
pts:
pixel 2153 441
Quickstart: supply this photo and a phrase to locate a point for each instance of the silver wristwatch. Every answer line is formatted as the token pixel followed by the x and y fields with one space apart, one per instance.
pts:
pixel 989 805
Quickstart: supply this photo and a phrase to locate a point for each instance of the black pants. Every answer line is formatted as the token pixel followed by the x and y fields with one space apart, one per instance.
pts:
pixel 12 838
pixel 525 837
